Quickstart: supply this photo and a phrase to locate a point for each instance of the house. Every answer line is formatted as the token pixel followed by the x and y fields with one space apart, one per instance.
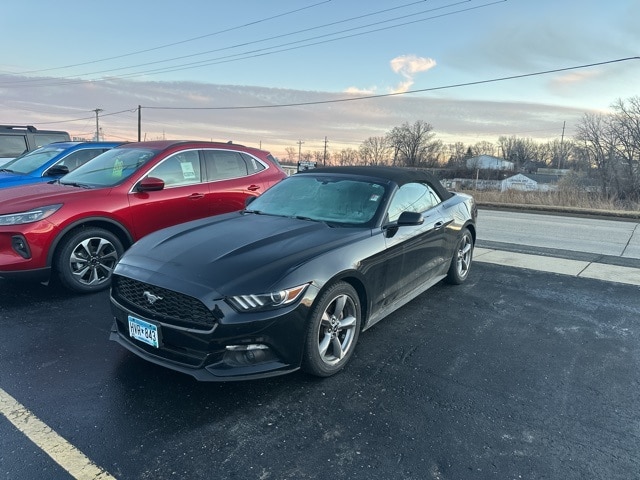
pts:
pixel 530 182
pixel 489 162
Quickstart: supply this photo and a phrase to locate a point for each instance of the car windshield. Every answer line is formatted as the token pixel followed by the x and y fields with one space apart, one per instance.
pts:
pixel 109 168
pixel 33 160
pixel 334 199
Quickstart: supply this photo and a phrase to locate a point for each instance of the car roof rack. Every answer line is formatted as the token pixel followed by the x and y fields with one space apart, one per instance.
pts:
pixel 29 128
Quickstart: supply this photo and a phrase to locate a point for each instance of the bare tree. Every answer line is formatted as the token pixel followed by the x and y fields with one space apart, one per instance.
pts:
pixel 456 155
pixel 626 123
pixel 292 154
pixel 483 148
pixel 318 157
pixel 598 140
pixel 507 146
pixel 560 152
pixel 433 154
pixel 376 151
pixel 411 143
pixel 347 156
pixel 520 151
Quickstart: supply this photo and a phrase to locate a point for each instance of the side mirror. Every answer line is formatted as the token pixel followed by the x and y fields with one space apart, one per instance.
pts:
pixel 410 219
pixel 57 171
pixel 150 184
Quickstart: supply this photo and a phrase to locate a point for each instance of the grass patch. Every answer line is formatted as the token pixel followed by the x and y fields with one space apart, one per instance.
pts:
pixel 561 201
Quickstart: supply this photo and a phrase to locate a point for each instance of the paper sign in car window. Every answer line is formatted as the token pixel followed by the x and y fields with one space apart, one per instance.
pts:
pixel 188 172
pixel 117 168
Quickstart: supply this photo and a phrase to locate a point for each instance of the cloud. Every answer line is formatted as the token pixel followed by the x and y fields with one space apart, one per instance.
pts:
pixel 584 83
pixel 361 91
pixel 408 66
pixel 344 124
pixel 573 78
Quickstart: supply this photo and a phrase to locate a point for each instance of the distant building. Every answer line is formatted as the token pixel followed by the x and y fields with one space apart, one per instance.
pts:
pixel 530 182
pixel 306 165
pixel 489 162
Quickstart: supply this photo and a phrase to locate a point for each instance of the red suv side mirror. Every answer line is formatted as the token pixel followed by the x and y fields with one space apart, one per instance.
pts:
pixel 150 184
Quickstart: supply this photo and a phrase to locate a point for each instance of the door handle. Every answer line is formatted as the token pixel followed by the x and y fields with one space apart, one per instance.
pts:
pixel 253 188
pixel 196 196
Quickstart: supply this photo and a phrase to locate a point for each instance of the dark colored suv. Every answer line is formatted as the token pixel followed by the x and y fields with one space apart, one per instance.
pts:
pixel 80 225
pixel 16 140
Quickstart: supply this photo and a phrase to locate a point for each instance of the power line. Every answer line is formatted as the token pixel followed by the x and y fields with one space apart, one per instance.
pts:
pixel 245 44
pixel 422 90
pixel 294 45
pixel 287 46
pixel 90 118
pixel 368 97
pixel 179 42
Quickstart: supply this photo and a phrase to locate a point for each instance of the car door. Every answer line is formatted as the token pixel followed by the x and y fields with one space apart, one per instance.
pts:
pixel 416 251
pixel 183 198
pixel 230 179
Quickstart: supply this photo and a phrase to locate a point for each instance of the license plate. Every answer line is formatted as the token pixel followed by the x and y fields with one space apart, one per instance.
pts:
pixel 144 331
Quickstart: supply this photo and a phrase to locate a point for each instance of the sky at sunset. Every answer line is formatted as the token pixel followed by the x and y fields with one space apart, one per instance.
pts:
pixel 278 72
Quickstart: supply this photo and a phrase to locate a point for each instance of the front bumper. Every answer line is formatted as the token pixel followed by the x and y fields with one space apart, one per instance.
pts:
pixel 238 346
pixel 24 250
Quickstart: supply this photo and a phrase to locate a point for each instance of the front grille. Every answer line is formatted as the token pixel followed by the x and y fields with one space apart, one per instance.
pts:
pixel 170 307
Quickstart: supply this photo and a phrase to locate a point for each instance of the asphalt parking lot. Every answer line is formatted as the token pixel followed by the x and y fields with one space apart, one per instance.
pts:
pixel 516 374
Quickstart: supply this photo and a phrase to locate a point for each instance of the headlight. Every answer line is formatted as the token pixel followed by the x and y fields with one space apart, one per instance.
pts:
pixel 29 217
pixel 247 303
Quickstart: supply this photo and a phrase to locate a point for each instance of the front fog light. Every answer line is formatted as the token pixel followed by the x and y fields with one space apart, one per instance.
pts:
pixel 20 246
pixel 240 355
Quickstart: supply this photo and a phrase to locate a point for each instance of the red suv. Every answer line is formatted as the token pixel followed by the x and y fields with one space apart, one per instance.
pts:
pixel 80 225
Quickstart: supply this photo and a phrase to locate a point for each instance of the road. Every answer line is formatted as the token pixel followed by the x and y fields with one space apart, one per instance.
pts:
pixel 516 374
pixel 606 238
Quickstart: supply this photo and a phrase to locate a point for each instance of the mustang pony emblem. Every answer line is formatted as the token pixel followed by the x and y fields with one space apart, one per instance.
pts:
pixel 151 298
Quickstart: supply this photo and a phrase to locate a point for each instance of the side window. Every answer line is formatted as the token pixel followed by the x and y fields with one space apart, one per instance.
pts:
pixel 41 139
pixel 253 165
pixel 80 157
pixel 180 169
pixel 412 197
pixel 12 146
pixel 223 164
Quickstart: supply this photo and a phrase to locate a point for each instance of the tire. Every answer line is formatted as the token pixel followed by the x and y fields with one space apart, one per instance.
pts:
pixel 332 334
pixel 86 259
pixel 461 261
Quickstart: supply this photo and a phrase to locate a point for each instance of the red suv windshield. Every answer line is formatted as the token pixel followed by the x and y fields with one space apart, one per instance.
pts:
pixel 110 168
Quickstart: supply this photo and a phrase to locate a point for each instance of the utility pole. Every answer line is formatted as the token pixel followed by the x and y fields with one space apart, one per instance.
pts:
pixel 300 142
pixel 97 110
pixel 139 122
pixel 564 124
pixel 324 159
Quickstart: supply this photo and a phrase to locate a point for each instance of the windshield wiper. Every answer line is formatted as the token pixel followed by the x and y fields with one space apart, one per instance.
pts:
pixel 260 212
pixel 76 184
pixel 302 217
pixel 5 170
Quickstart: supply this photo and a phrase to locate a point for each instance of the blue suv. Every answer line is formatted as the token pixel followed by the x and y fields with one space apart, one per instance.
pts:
pixel 50 162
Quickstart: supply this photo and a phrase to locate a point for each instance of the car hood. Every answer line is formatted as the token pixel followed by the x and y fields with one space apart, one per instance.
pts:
pixel 26 197
pixel 231 254
pixel 8 179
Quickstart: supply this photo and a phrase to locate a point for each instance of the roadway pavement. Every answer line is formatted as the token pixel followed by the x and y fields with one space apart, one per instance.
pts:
pixel 594 248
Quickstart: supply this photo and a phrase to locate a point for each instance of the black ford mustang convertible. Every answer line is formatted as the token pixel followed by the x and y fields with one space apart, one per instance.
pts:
pixel 290 281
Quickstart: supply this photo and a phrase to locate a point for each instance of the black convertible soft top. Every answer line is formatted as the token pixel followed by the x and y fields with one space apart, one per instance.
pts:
pixel 398 175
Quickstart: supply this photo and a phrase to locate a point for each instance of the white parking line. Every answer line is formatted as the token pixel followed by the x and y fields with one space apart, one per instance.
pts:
pixel 65 454
pixel 563 266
